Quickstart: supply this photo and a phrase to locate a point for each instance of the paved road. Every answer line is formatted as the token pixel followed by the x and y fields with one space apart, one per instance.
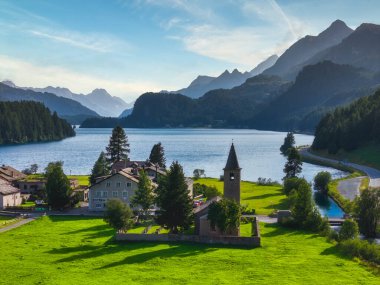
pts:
pixel 350 188
pixel 18 224
pixel 373 174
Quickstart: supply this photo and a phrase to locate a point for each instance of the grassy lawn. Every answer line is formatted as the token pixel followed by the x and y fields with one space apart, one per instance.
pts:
pixel 264 199
pixel 80 250
pixel 82 179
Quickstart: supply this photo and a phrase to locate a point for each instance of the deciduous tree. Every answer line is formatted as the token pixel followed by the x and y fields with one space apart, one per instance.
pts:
pixel 57 186
pixel 118 215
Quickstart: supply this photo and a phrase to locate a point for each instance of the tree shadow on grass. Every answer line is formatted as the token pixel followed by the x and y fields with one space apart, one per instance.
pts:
pixel 93 251
pixel 178 250
pixel 334 250
pixel 97 228
pixel 263 196
pixel 282 230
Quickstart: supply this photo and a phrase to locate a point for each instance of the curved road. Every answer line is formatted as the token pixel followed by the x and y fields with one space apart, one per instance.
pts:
pixel 372 173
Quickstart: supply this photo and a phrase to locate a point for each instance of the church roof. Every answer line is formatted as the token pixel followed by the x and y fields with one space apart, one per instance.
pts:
pixel 232 161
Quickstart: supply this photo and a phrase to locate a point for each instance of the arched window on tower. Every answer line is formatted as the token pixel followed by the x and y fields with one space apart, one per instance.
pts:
pixel 232 176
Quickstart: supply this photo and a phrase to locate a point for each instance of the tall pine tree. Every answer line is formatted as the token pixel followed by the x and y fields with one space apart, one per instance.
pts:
pixel 101 168
pixel 294 164
pixel 118 146
pixel 157 155
pixel 173 198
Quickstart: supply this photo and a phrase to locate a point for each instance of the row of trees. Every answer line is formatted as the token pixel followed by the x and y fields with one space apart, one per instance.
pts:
pixel 22 122
pixel 118 149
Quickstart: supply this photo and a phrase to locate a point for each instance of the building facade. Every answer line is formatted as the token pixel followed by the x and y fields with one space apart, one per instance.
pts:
pixel 10 196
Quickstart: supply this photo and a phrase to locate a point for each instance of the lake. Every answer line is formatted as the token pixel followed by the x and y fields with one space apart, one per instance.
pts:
pixel 258 152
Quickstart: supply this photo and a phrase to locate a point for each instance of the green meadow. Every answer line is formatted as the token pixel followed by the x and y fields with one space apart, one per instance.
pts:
pixel 80 250
pixel 264 199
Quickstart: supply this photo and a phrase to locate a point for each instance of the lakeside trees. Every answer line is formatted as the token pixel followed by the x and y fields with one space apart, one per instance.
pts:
pixel 174 201
pixel 289 142
pixel 157 155
pixel 293 165
pixel 321 181
pixel 118 146
pixel 22 122
pixel 350 127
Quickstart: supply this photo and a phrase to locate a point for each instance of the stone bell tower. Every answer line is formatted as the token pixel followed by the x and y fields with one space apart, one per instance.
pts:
pixel 232 176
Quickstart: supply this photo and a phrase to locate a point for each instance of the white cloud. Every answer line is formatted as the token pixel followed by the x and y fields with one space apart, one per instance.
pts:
pixel 95 42
pixel 25 73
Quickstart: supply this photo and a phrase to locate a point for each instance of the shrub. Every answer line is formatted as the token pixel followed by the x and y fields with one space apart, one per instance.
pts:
pixel 362 249
pixel 207 191
pixel 322 180
pixel 368 212
pixel 266 182
pixel 292 184
pixel 349 230
pixel 118 215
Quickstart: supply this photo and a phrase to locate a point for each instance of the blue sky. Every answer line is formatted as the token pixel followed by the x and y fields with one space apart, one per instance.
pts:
pixel 134 46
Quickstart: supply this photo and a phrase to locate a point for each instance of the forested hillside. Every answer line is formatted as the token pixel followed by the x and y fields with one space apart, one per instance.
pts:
pixel 350 127
pixel 22 122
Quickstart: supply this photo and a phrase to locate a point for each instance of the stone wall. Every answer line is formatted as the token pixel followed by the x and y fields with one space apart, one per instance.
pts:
pixel 253 241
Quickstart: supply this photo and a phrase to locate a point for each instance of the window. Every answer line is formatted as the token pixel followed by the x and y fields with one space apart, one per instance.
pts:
pixel 98 205
pixel 98 194
pixel 129 184
pixel 105 194
pixel 114 194
pixel 232 176
pixel 118 184
pixel 108 184
pixel 125 194
pixel 25 187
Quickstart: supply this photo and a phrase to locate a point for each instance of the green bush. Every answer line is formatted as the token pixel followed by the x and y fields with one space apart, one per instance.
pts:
pixel 292 184
pixel 322 180
pixel 362 249
pixel 349 230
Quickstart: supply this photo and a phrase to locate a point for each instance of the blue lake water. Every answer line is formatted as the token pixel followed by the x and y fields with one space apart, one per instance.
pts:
pixel 258 152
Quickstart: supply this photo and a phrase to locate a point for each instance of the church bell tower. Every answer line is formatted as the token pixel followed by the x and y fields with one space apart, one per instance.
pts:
pixel 232 176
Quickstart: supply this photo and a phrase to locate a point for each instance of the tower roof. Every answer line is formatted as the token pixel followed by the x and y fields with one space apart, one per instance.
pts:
pixel 232 161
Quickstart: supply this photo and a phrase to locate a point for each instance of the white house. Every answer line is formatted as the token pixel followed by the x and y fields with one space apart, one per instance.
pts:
pixel 122 184
pixel 9 195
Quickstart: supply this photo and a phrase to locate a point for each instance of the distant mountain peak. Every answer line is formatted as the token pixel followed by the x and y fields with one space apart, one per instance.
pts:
pixel 9 83
pixel 336 27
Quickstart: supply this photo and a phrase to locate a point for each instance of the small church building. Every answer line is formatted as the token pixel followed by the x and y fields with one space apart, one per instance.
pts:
pixel 232 178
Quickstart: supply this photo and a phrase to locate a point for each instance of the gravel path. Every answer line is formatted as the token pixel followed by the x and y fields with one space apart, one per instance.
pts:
pixel 350 188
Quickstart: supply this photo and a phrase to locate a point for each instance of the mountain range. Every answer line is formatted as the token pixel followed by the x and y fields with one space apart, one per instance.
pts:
pixel 69 109
pixel 227 80
pixel 99 100
pixel 312 77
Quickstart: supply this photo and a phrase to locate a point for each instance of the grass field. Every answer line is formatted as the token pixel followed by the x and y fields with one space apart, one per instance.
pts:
pixel 79 250
pixel 82 179
pixel 264 199
pixel 7 220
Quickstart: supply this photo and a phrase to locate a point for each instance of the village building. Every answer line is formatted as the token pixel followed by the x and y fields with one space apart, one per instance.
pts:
pixel 231 178
pixel 123 183
pixel 10 174
pixel 9 195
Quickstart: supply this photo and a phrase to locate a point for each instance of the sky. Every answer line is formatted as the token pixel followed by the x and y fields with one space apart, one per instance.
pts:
pixel 130 47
